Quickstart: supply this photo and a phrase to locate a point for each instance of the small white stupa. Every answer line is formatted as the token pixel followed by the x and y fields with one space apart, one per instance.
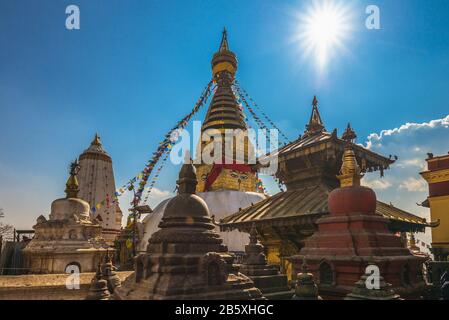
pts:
pixel 68 238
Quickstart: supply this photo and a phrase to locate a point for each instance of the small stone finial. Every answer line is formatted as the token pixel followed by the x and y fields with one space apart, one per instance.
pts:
pixel 350 173
pixel 412 243
pixel 304 268
pixel 96 141
pixel 187 178
pixel 72 187
pixel 253 234
pixel 349 134
pixel 109 274
pixel 315 123
pixel 98 288
pixel 305 288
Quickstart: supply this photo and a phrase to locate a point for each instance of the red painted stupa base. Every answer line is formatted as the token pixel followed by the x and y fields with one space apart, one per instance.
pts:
pixel 351 237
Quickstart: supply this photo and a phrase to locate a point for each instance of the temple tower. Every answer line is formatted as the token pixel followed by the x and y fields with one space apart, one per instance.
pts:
pixel 437 176
pixel 224 118
pixel 97 187
pixel 186 258
pixel 229 183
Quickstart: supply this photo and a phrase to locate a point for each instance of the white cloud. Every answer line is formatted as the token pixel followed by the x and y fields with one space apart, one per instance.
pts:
pixel 403 185
pixel 379 184
pixel 413 184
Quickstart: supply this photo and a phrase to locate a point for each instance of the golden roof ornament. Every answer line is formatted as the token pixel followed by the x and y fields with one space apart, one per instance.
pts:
pixel 224 46
pixel 349 134
pixel 224 59
pixel 72 186
pixel 96 141
pixel 315 123
pixel 350 173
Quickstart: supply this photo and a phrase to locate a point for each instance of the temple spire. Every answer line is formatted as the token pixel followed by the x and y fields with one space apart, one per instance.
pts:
pixel 71 186
pixel 187 178
pixel 349 134
pixel 224 46
pixel 96 141
pixel 315 123
pixel 224 60
pixel 350 173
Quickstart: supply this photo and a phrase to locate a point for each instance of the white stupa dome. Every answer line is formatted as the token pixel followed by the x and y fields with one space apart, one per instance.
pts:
pixel 221 204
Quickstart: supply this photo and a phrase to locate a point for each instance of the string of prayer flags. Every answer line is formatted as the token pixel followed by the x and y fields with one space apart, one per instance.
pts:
pixel 165 145
pixel 261 111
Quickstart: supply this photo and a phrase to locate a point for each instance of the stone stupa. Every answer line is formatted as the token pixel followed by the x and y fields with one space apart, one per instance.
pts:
pixel 267 278
pixel 305 288
pixel 362 292
pixel 68 238
pixel 186 258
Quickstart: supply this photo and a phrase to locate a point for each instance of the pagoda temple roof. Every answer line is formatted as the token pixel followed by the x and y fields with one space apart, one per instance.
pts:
pixel 310 144
pixel 304 206
pixel 317 140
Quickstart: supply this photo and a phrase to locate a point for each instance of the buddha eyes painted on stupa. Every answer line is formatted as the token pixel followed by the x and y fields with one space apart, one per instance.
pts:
pixel 237 175
pixel 204 177
pixel 234 174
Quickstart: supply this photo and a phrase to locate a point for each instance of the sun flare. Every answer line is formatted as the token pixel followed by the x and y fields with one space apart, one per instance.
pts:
pixel 322 30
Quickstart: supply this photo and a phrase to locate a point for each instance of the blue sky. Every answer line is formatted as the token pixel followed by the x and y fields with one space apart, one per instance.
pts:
pixel 136 67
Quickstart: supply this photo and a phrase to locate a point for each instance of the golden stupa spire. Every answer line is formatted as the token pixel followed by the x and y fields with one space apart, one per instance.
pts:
pixel 96 141
pixel 224 60
pixel 350 173
pixel 224 46
pixel 72 186
pixel 315 123
pixel 225 114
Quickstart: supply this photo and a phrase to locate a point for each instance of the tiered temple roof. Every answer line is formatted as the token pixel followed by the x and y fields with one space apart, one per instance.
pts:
pixel 309 167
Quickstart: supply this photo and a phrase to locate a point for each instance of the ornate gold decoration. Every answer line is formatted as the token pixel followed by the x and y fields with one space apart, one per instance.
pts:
pixel 436 176
pixel 350 173
pixel 72 186
pixel 96 141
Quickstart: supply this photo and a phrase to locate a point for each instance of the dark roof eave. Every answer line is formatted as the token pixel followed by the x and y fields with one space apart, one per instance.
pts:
pixel 278 221
pixel 338 141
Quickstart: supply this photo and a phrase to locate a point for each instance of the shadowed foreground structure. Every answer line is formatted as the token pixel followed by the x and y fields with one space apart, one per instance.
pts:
pixel 352 237
pixel 186 259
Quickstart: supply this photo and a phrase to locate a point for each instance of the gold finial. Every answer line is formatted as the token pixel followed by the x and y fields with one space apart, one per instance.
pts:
pixel 315 123
pixel 96 141
pixel 350 173
pixel 224 59
pixel 349 134
pixel 224 41
pixel 71 186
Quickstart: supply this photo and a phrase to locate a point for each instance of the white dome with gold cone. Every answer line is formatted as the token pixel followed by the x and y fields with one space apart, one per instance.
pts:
pixel 229 186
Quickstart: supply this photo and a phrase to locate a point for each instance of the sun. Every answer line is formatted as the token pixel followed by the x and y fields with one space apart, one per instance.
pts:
pixel 323 29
